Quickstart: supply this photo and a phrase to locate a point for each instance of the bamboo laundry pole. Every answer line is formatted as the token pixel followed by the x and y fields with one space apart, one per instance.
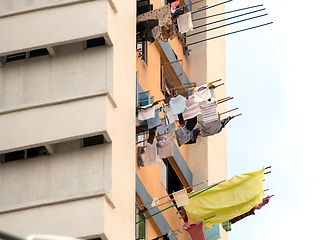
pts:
pixel 176 204
pixel 223 35
pixel 223 26
pixel 227 12
pixel 212 6
pixel 229 111
pixel 225 19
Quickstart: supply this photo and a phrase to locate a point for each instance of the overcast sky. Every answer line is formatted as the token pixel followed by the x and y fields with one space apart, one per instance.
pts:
pixel 273 75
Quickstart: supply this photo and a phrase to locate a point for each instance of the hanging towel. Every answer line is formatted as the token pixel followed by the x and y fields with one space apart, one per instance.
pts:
pixel 196 231
pixel 155 121
pixel 209 113
pixel 151 156
pixel 185 23
pixel 146 112
pixel 192 108
pixel 163 15
pixel 202 93
pixel 166 148
pixel 227 200
pixel 178 104
pixel 181 198
pixel 213 233
pixel 169 113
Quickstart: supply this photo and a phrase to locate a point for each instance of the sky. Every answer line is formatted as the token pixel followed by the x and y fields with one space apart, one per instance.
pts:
pixel 273 74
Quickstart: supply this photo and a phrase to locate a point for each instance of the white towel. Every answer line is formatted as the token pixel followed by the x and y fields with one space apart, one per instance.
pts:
pixel 185 23
pixel 181 198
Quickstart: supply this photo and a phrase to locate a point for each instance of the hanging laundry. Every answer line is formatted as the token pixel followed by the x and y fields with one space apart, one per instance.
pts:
pixel 163 15
pixel 209 129
pixel 165 32
pixel 196 231
pixel 227 200
pixel 264 202
pixel 181 197
pixel 177 104
pixel 144 30
pixel 185 23
pixel 213 233
pixel 212 92
pixel 194 136
pixel 202 93
pixel 151 156
pixel 224 122
pixel 191 123
pixel 226 226
pixel 174 6
pixel 178 12
pixel 244 215
pixel 166 147
pixel 140 161
pixel 146 112
pixel 169 113
pixel 192 108
pixel 181 120
pixel 209 113
pixel 182 135
pixel 151 135
pixel 156 121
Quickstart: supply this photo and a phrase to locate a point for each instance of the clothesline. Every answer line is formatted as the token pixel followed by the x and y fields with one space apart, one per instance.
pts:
pixel 212 6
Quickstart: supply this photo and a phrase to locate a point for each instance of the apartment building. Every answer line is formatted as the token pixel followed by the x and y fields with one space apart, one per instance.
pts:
pixel 72 74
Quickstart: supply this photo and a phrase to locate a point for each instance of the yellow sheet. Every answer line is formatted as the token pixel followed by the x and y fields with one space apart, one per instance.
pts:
pixel 227 200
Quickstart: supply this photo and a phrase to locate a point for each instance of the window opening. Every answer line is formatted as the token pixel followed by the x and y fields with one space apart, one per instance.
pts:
pixel 16 57
pixel 39 52
pixel 91 141
pixel 96 42
pixel 143 6
pixel 23 154
pixel 141 46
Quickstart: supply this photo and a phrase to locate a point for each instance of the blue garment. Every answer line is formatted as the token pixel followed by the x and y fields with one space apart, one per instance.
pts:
pixel 154 122
pixel 213 233
pixel 178 104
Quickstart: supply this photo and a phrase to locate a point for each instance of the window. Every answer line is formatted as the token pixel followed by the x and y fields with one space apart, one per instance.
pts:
pixel 140 228
pixel 143 6
pixel 96 42
pixel 143 98
pixel 16 57
pixel 141 47
pixel 23 154
pixel 91 141
pixel 39 52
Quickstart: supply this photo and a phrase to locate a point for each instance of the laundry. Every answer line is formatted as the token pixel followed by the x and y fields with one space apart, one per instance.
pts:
pixel 212 92
pixel 238 218
pixel 224 122
pixel 209 129
pixel 185 23
pixel 140 161
pixel 192 108
pixel 178 12
pixel 209 113
pixel 155 121
pixel 181 120
pixel 213 233
pixel 264 202
pixel 174 6
pixel 202 93
pixel 166 147
pixel 227 200
pixel 165 32
pixel 226 226
pixel 146 112
pixel 144 30
pixel 177 104
pixel 163 15
pixel 191 123
pixel 182 135
pixel 194 136
pixel 181 197
pixel 151 135
pixel 151 156
pixel 169 113
pixel 196 231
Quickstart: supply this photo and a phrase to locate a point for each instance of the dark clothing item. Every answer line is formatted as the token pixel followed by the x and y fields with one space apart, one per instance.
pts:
pixel 145 30
pixel 194 136
pixel 191 123
pixel 224 122
pixel 178 12
pixel 164 237
pixel 140 160
pixel 182 135
pixel 142 128
pixel 151 135
pixel 181 119
pixel 238 218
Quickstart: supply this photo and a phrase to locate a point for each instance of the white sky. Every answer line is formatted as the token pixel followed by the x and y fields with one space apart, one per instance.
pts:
pixel 273 75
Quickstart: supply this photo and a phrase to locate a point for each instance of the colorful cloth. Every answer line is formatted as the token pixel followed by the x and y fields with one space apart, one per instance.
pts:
pixel 181 198
pixel 196 231
pixel 178 104
pixel 227 226
pixel 185 23
pixel 163 15
pixel 264 202
pixel 192 108
pixel 227 200
pixel 209 113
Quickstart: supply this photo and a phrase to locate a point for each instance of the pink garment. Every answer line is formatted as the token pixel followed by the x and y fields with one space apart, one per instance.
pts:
pixel 174 5
pixel 196 231
pixel 264 202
